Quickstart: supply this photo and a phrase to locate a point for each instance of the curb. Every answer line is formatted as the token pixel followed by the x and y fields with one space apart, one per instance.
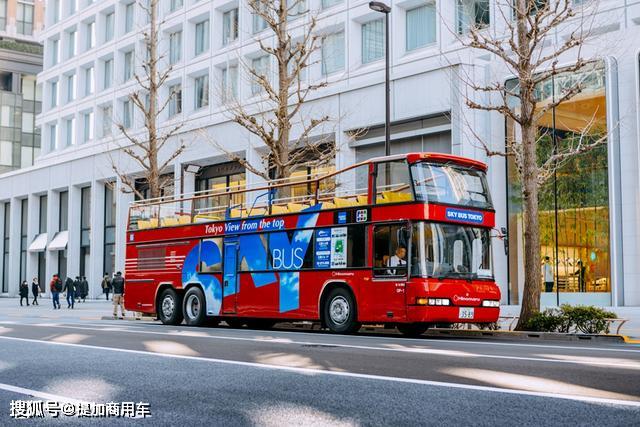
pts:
pixel 526 335
pixel 128 318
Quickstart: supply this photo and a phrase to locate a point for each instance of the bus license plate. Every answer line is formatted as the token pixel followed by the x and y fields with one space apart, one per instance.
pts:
pixel 466 313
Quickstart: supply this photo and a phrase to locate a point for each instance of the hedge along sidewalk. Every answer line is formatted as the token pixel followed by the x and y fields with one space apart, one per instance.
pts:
pixel 530 335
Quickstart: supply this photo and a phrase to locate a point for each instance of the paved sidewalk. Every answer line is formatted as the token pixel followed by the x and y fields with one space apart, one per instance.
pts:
pixel 83 311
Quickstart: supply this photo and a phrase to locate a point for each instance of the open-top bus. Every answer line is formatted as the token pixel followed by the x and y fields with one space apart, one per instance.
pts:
pixel 403 240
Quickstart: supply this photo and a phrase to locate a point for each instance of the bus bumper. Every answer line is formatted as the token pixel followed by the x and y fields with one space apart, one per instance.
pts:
pixel 451 314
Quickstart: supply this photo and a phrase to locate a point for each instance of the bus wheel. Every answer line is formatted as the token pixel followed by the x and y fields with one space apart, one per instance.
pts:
pixel 260 324
pixel 194 307
pixel 340 312
pixel 170 309
pixel 412 329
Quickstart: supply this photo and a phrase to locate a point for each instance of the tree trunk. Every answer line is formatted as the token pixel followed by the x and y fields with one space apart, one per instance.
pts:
pixel 531 292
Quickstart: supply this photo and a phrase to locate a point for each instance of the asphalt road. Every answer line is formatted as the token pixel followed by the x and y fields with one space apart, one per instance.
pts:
pixel 222 376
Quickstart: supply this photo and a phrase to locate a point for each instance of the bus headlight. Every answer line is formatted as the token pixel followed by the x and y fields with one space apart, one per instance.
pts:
pixel 490 303
pixel 439 301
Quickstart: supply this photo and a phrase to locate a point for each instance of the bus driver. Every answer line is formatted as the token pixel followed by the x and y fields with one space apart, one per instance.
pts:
pixel 398 260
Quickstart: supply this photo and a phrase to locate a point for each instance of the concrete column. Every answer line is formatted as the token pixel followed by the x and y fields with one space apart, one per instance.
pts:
pixel 2 220
pixel 95 267
pixel 73 247
pixel 122 213
pixel 254 157
pixel 33 228
pixel 53 218
pixel 14 248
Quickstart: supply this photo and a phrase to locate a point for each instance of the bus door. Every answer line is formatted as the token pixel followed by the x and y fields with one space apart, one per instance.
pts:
pixel 390 272
pixel 230 276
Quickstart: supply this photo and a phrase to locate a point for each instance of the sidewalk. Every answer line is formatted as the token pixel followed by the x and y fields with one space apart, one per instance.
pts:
pixel 90 310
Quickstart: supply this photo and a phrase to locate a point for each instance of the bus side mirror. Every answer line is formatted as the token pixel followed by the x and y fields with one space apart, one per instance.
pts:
pixel 505 238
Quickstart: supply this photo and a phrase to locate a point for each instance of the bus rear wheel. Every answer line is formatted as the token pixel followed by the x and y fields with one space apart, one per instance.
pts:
pixel 340 312
pixel 412 329
pixel 170 307
pixel 194 307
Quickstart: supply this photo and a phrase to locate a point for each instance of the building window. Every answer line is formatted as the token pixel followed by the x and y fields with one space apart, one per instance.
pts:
pixel 128 66
pixel 175 103
pixel 109 24
pixel 128 18
pixel 70 125
pixel 53 132
pixel 88 81
pixel 421 26
pixel 573 204
pixel 71 52
pixel 108 263
pixel 73 6
pixel 56 10
pixel 472 14
pixel 296 8
pixel 260 67
pixel 230 83
pixel 5 248
pixel 24 18
pixel 218 178
pixel 24 222
pixel 42 228
pixel 202 37
pixel 85 229
pixel 328 3
pixel 175 5
pixel 229 26
pixel 63 225
pixel 258 23
pixel 71 87
pixel 91 35
pixel 127 114
pixel 3 15
pixel 55 51
pixel 108 73
pixel 107 118
pixel 53 93
pixel 372 41
pixel 87 119
pixel 175 47
pixel 202 91
pixel 333 53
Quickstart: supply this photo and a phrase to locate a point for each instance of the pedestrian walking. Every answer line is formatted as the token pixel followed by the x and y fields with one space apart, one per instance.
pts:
pixel 547 274
pixel 55 287
pixel 78 285
pixel 85 288
pixel 118 294
pixel 24 292
pixel 106 285
pixel 70 289
pixel 35 290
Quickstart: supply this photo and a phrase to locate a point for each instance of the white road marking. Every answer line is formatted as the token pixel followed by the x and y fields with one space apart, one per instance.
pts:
pixel 437 352
pixel 308 371
pixel 41 394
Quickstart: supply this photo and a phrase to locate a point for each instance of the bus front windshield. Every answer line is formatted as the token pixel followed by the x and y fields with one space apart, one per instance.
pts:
pixel 450 250
pixel 451 184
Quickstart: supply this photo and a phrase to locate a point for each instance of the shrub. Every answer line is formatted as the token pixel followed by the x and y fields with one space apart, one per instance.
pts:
pixel 581 319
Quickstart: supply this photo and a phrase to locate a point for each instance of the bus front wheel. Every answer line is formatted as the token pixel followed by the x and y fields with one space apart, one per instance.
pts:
pixel 194 307
pixel 170 309
pixel 340 312
pixel 412 329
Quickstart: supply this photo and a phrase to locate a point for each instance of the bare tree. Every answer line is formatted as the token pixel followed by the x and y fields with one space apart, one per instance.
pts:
pixel 539 34
pixel 145 147
pixel 284 93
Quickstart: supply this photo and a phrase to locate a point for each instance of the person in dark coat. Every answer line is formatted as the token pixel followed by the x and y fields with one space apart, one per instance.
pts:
pixel 106 285
pixel 55 286
pixel 35 290
pixel 24 292
pixel 84 288
pixel 70 289
pixel 78 284
pixel 118 295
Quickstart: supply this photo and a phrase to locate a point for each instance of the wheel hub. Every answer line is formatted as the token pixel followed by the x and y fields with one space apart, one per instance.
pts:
pixel 168 306
pixel 339 310
pixel 193 307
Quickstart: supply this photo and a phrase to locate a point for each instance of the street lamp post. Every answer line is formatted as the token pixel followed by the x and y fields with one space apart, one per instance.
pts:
pixel 383 8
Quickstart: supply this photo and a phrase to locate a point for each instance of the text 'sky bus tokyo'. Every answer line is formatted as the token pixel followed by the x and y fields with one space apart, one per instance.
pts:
pixel 401 240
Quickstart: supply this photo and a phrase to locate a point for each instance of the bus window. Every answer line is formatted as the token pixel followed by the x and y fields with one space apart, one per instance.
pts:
pixel 391 243
pixel 393 183
pixel 211 255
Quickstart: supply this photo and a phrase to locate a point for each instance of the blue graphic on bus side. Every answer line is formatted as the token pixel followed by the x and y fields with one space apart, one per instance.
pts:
pixel 462 215
pixel 209 253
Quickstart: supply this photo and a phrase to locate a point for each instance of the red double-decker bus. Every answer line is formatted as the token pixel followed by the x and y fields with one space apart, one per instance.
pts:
pixel 403 240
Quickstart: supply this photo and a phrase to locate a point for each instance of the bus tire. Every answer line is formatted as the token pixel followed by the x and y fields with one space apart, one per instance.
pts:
pixel 340 313
pixel 170 307
pixel 194 307
pixel 412 329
